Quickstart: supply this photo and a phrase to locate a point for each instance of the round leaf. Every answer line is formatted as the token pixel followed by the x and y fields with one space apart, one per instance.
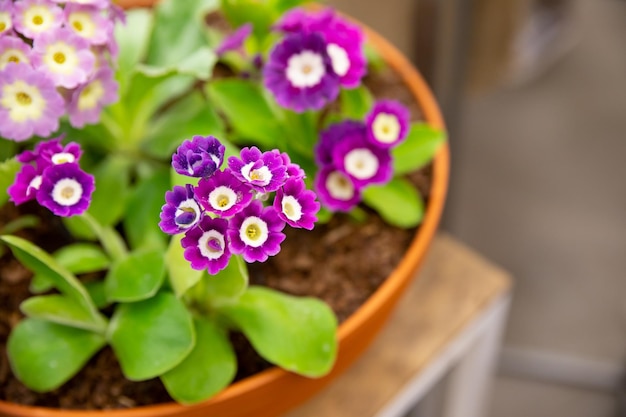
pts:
pixel 417 149
pixel 63 310
pixel 228 284
pixel 136 277
pixel 181 275
pixel 398 202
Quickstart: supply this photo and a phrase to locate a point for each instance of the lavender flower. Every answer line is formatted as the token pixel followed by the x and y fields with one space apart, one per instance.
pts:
pixel 89 23
pixel 181 211
pixel 24 188
pixel 364 163
pixel 387 123
pixel 256 232
pixel 32 18
pixel 235 40
pixel 51 152
pixel 206 246
pixel 334 134
pixel 265 172
pixel 199 157
pixel 223 193
pixel 13 50
pixel 299 73
pixel 87 100
pixel 100 4
pixel 65 189
pixel 335 190
pixel 64 57
pixel 293 170
pixel 29 103
pixel 6 22
pixel 296 205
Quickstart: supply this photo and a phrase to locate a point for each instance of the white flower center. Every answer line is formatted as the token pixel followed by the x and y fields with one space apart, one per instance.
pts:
pixel 386 128
pixel 61 58
pixel 211 244
pixel 38 18
pixel 5 22
pixel 261 176
pixel 188 206
pixel 83 24
pixel 24 102
pixel 67 192
pixel 339 187
pixel 222 198
pixel 292 208
pixel 253 232
pixel 34 184
pixel 62 158
pixel 361 163
pixel 90 96
pixel 339 59
pixel 305 69
pixel 12 55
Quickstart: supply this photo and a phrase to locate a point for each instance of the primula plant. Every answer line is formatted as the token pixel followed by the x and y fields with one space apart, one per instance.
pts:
pixel 176 152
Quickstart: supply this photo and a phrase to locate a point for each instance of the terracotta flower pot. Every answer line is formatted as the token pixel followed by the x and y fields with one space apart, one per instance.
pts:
pixel 275 391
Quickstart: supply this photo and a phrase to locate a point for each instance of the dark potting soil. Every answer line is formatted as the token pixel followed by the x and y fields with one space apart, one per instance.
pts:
pixel 342 263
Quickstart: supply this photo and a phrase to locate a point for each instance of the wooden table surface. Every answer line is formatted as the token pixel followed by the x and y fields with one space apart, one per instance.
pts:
pixel 454 285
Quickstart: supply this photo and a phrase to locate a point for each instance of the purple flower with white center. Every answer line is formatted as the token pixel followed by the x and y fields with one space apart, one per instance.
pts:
pixel 65 189
pixel 64 57
pixel 336 190
pixel 89 23
pixel 363 162
pixel 235 40
pixel 256 232
pixel 223 193
pixel 199 157
pixel 387 123
pixel 265 172
pixel 13 50
pixel 293 170
pixel 181 210
pixel 33 18
pixel 299 73
pixel 296 205
pixel 29 103
pixel 6 21
pixel 25 186
pixel 87 100
pixel 206 246
pixel 334 134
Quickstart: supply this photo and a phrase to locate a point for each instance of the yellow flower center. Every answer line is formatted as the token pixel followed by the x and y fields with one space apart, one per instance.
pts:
pixel 14 58
pixel 77 25
pixel 289 210
pixel 59 57
pixel 3 26
pixel 253 231
pixel 23 98
pixel 222 201
pixel 67 192
pixel 38 20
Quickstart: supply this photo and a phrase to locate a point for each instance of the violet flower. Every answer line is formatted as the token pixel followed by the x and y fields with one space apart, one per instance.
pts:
pixel 51 152
pixel 256 232
pixel 292 170
pixel 65 189
pixel 24 188
pixel 199 157
pixel 181 211
pixel 363 162
pixel 29 103
pixel 336 190
pixel 235 40
pixel 334 134
pixel 387 123
pixel 88 22
pixel 32 18
pixel 13 50
pixel 223 193
pixel 296 205
pixel 299 73
pixel 264 172
pixel 87 101
pixel 206 246
pixel 6 21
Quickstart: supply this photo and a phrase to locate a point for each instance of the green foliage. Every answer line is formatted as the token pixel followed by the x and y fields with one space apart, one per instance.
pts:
pixel 136 277
pixel 112 179
pixel 225 287
pixel 180 274
pixel 398 202
pixel 8 170
pixel 419 148
pixel 62 309
pixel 355 103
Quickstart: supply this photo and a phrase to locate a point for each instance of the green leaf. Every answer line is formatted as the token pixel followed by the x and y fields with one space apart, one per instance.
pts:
pixel 59 352
pixel 355 103
pixel 208 369
pixel 97 293
pixel 227 285
pixel 108 237
pixel 112 179
pixel 181 275
pixel 259 14
pixel 62 309
pixel 247 109
pixel 298 334
pixel 151 337
pixel 419 148
pixel 136 277
pixel 398 202
pixel 23 222
pixel 283 5
pixel 79 228
pixel 132 39
pixel 8 170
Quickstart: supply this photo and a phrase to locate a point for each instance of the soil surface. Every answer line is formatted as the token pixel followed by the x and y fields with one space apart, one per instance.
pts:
pixel 342 263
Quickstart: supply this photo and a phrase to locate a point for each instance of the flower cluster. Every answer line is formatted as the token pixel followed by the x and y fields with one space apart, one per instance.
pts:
pixel 320 53
pixel 354 154
pixel 51 175
pixel 55 59
pixel 224 214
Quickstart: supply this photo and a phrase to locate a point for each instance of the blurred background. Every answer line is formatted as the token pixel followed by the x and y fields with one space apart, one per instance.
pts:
pixel 534 95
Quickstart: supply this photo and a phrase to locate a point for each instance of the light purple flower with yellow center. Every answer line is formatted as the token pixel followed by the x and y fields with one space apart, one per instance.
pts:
pixel 13 50
pixel 206 245
pixel 100 4
pixel 87 101
pixel 265 172
pixel 25 186
pixel 296 205
pixel 223 194
pixel 256 232
pixel 29 103
pixel 387 123
pixel 235 40
pixel 199 157
pixel 336 190
pixel 299 73
pixel 32 18
pixel 363 162
pixel 89 23
pixel 64 57
pixel 181 210
pixel 65 189
pixel 6 21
